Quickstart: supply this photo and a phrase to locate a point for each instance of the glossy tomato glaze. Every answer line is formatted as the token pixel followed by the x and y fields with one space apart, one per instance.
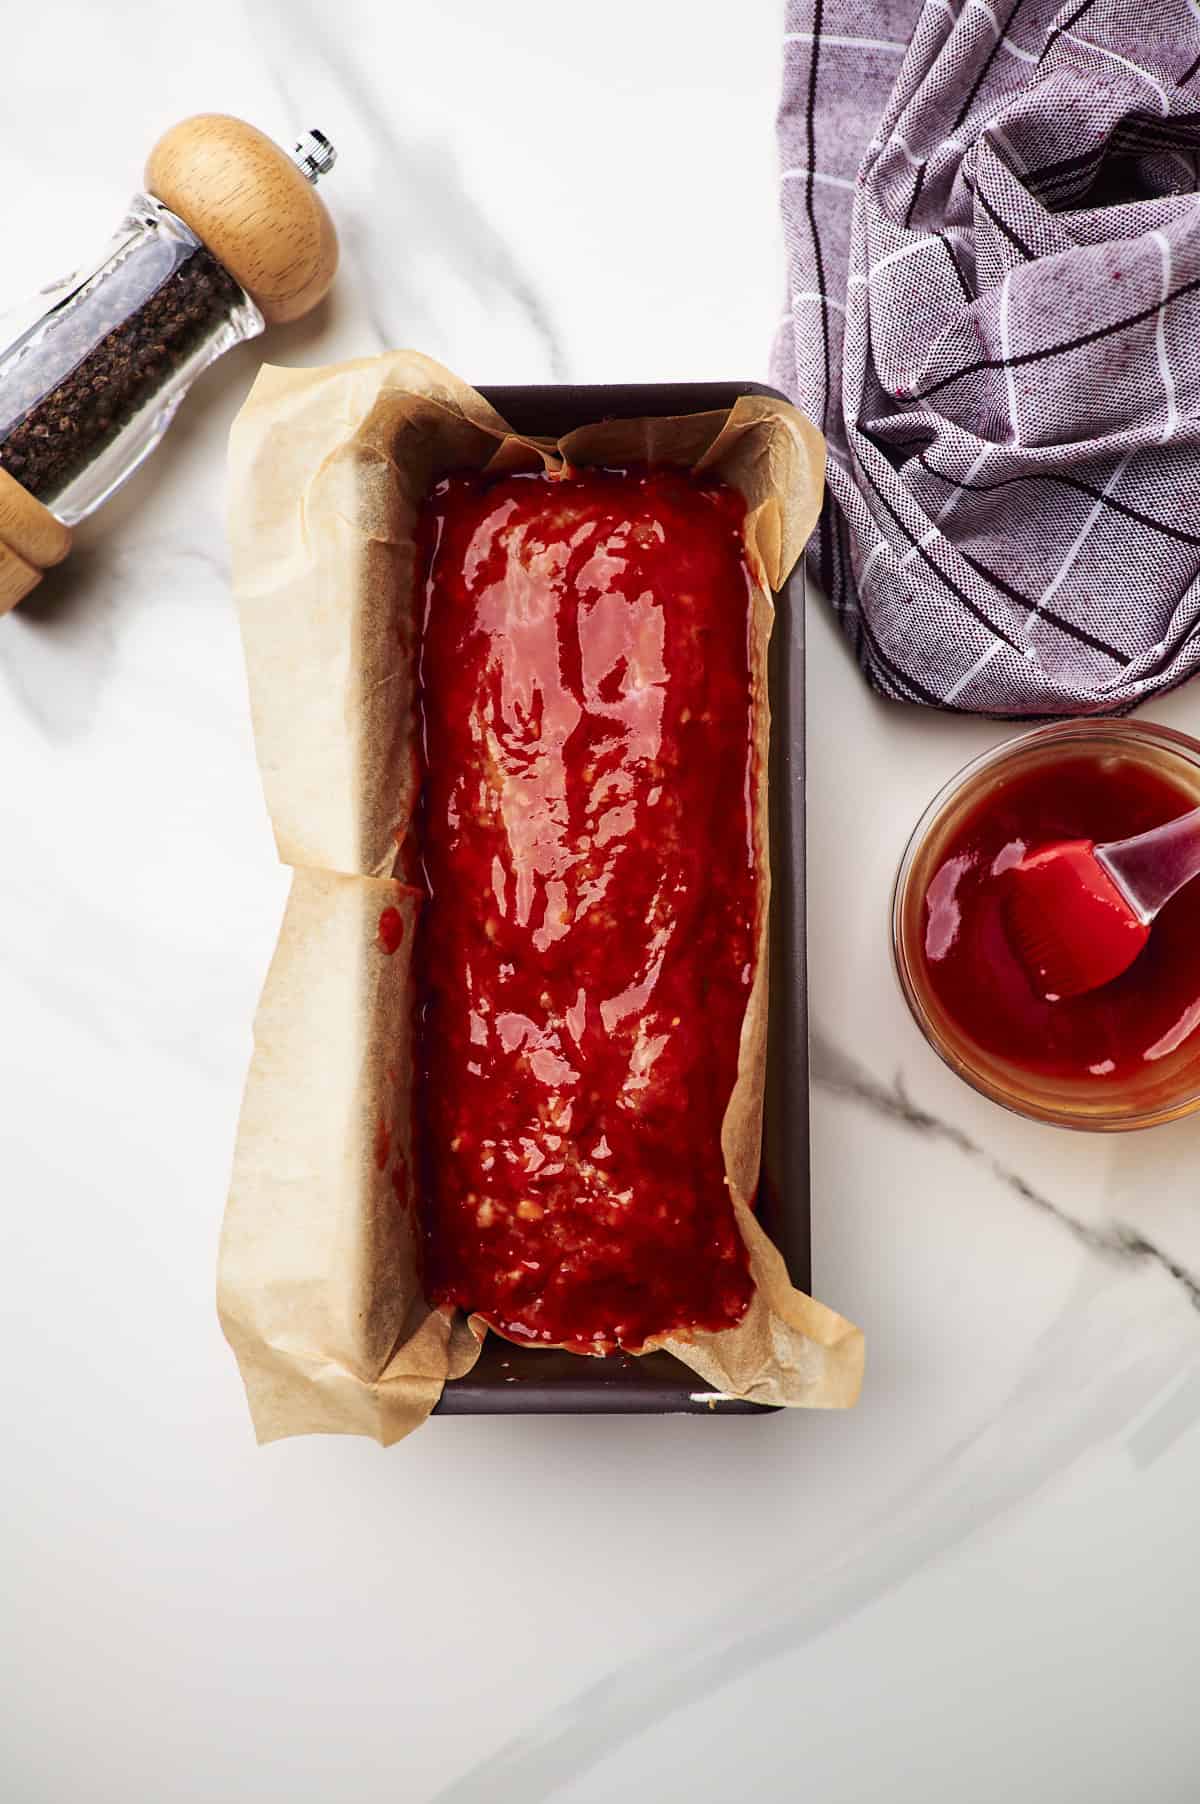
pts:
pixel 1111 1036
pixel 585 954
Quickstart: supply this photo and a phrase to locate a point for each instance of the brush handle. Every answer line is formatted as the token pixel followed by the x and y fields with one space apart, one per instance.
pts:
pixel 1152 866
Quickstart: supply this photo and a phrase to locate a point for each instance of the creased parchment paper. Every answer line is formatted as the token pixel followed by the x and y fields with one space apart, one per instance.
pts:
pixel 318 1288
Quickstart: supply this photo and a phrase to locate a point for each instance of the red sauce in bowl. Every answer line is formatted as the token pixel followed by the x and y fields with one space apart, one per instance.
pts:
pixel 1141 1029
pixel 587 947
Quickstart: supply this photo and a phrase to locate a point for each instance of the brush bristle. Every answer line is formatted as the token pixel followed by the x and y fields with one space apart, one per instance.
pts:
pixel 1069 924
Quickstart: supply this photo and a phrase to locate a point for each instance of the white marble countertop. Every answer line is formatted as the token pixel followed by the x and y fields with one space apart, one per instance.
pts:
pixel 979 1585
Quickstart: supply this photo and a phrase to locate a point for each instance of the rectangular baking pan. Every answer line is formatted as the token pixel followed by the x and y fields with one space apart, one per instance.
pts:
pixel 511 1380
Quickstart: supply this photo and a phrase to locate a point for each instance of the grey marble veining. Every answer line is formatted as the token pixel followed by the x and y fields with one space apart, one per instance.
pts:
pixel 1047 1424
pixel 842 1076
pixel 420 207
pixel 979 1585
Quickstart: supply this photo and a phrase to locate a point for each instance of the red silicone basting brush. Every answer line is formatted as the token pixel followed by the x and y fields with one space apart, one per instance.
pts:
pixel 1079 913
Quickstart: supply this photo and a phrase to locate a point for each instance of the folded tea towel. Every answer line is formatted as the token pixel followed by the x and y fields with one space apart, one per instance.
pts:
pixel 993 239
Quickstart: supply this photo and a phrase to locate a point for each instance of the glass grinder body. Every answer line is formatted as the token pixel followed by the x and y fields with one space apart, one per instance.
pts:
pixel 227 238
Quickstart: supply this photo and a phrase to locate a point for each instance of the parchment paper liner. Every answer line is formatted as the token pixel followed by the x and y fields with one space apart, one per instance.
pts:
pixel 318 1289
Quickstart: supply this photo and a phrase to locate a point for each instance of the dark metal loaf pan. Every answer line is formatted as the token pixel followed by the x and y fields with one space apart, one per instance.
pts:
pixel 510 1380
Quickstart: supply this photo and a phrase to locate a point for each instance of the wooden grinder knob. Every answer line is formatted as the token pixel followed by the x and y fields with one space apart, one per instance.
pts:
pixel 250 204
pixel 257 212
pixel 31 540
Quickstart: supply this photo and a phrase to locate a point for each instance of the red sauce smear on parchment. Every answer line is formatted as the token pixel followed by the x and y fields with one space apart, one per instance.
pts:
pixel 586 950
pixel 1146 1020
pixel 391 930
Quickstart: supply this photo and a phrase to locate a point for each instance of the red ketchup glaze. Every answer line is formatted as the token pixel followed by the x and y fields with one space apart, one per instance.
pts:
pixel 383 1143
pixel 587 948
pixel 391 930
pixel 1145 1017
pixel 400 1182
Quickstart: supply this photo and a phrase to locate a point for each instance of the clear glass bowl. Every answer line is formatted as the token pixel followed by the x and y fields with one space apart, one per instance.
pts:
pixel 1153 1098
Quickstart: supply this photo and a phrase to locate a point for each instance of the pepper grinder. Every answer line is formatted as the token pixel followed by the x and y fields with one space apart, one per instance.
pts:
pixel 227 238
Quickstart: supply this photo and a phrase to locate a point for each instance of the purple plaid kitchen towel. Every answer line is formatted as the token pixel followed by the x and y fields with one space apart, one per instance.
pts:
pixel 993 239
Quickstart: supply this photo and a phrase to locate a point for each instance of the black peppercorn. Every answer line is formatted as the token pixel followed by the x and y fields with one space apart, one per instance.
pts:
pixel 67 428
